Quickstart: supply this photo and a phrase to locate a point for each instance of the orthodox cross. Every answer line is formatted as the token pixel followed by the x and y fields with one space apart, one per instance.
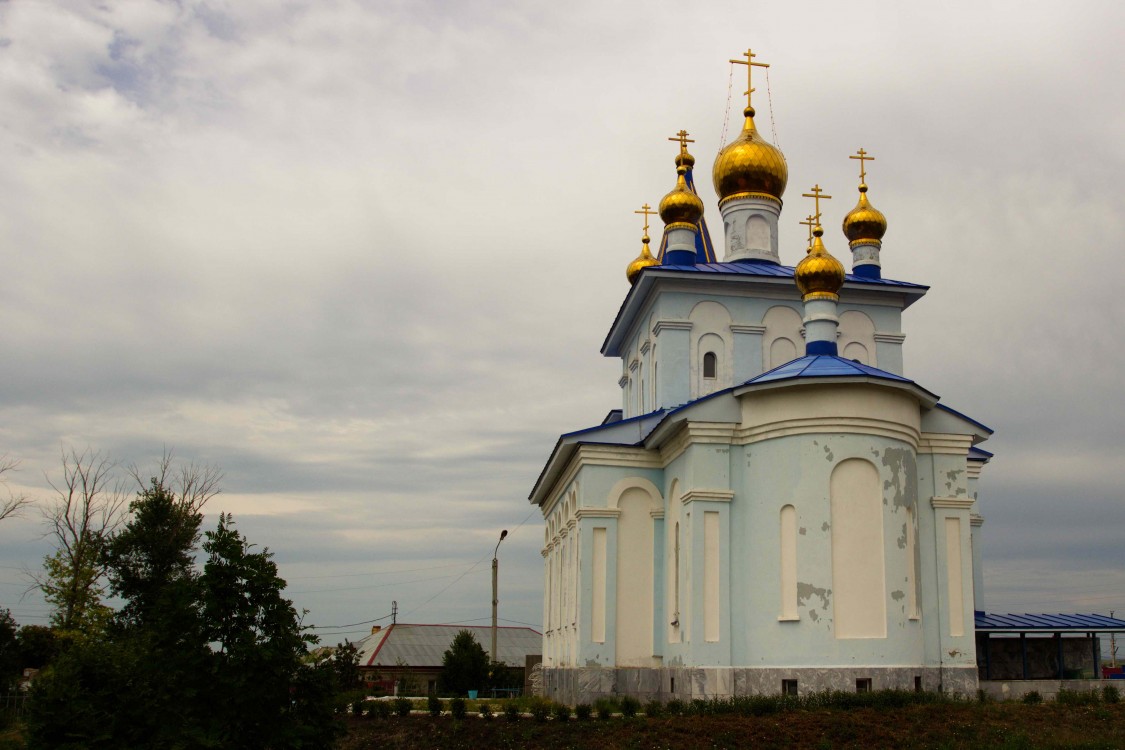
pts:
pixel 810 223
pixel 646 210
pixel 750 65
pixel 862 156
pixel 816 195
pixel 683 139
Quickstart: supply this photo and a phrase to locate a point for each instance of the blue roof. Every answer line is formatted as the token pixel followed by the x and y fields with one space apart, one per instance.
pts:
pixel 823 366
pixel 1047 623
pixel 762 268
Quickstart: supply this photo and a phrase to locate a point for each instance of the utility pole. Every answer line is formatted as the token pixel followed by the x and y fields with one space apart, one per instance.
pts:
pixel 495 598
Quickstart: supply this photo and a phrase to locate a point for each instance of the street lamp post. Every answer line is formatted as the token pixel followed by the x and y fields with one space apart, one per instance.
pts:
pixel 495 599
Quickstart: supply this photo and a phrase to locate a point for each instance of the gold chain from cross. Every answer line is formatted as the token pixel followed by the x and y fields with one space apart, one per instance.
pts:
pixel 862 156
pixel 816 195
pixel 646 210
pixel 750 65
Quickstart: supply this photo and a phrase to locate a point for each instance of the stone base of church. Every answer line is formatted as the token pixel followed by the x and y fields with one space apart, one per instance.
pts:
pixel 574 685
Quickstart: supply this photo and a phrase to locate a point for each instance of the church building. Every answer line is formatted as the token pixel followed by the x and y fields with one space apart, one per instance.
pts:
pixel 776 506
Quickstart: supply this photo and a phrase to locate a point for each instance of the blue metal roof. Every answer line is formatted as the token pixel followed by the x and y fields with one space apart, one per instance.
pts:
pixel 1047 623
pixel 761 268
pixel 979 454
pixel 824 366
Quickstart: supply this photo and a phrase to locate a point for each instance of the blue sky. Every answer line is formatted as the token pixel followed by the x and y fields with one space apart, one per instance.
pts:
pixel 362 256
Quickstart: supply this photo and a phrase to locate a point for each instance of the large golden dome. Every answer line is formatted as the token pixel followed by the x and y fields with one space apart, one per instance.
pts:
pixel 864 223
pixel 819 275
pixel 750 166
pixel 644 260
pixel 681 208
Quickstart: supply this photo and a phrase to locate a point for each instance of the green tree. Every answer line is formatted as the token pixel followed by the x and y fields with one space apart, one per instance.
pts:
pixel 81 518
pixel 193 659
pixel 464 665
pixel 38 646
pixel 9 650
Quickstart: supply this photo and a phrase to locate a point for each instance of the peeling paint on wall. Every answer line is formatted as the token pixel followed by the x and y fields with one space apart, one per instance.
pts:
pixel 824 526
pixel 801 531
pixel 903 484
pixel 828 453
pixel 898 595
pixel 806 591
pixel 902 539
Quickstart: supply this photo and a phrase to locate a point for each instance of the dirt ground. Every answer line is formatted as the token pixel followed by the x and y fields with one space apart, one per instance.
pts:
pixel 1009 726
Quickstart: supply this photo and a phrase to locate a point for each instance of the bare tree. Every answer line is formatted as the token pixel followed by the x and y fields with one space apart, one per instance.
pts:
pixel 11 504
pixel 192 484
pixel 87 509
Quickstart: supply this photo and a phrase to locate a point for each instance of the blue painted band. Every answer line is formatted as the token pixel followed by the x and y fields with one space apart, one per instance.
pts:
pixel 679 258
pixel 868 271
pixel 820 347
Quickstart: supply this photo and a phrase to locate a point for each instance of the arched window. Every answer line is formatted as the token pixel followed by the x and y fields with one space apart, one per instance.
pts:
pixel 710 365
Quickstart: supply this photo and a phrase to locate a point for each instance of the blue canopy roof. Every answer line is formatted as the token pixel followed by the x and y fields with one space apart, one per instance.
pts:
pixel 1047 623
pixel 761 268
pixel 823 366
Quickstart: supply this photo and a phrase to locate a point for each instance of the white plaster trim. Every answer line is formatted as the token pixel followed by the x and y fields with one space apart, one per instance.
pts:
pixel 976 519
pixel 926 399
pixel 953 503
pixel 657 513
pixel 757 330
pixel 571 523
pixel 945 443
pixel 597 513
pixel 634 365
pixel 696 433
pixel 624 381
pixel 646 346
pixel 713 496
pixel 849 425
pixel 636 483
pixel 599 455
pixel 792 618
pixel 889 338
pixel 973 470
pixel 671 325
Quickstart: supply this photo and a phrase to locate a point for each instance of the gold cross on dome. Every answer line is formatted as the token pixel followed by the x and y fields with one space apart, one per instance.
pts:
pixel 810 223
pixel 646 210
pixel 862 156
pixel 682 138
pixel 816 195
pixel 750 65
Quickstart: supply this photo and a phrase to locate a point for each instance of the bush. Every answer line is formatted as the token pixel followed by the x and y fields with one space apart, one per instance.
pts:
pixel 540 710
pixel 654 709
pixel 1077 697
pixel 630 706
pixel 434 706
pixel 1032 698
pixel 605 707
pixel 583 711
pixel 1110 694
pixel 457 708
pixel 379 709
pixel 512 711
pixel 485 710
pixel 561 712
pixel 357 707
pixel 403 706
pixel 674 707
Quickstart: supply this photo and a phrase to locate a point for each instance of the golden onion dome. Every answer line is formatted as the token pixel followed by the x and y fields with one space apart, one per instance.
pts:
pixel 864 223
pixel 819 275
pixel 681 208
pixel 685 159
pixel 644 260
pixel 750 166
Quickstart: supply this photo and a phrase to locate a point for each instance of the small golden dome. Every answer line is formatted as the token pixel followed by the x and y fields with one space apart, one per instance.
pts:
pixel 685 159
pixel 644 260
pixel 819 275
pixel 681 208
pixel 750 165
pixel 864 223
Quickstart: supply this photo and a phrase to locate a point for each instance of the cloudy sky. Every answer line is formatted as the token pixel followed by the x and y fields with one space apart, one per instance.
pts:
pixel 362 256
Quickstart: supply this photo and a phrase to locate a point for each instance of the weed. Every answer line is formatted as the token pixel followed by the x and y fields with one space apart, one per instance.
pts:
pixel 605 707
pixel 403 706
pixel 540 710
pixel 485 710
pixel 654 709
pixel 457 708
pixel 1110 694
pixel 630 706
pixel 512 711
pixel 561 712
pixel 1032 698
pixel 434 705
pixel 674 707
pixel 583 711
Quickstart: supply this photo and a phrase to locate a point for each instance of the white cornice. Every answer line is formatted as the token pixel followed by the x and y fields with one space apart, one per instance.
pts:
pixel 599 455
pixel 976 519
pixel 645 346
pixel 847 425
pixel 945 443
pixel 670 325
pixel 890 338
pixel 695 433
pixel 757 330
pixel 597 513
pixel 713 496
pixel 953 503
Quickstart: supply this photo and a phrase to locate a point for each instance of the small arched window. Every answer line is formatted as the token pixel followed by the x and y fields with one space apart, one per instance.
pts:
pixel 710 365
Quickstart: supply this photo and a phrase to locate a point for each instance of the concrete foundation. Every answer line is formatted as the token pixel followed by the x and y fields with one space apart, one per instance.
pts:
pixel 1008 690
pixel 588 684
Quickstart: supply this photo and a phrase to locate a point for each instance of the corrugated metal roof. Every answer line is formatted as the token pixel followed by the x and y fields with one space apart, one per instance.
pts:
pixel 823 366
pixel 424 645
pixel 1048 623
